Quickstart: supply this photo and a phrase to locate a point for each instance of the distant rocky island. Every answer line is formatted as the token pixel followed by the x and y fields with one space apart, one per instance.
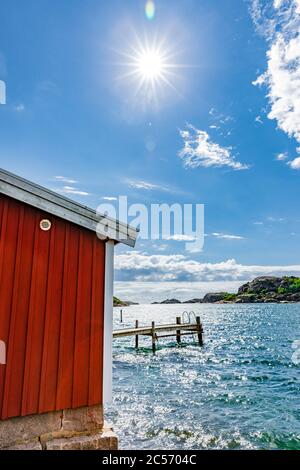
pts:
pixel 122 303
pixel 264 289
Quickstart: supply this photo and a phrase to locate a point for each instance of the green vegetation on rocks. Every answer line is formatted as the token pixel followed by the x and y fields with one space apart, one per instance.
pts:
pixel 263 289
pixel 229 297
pixel 122 303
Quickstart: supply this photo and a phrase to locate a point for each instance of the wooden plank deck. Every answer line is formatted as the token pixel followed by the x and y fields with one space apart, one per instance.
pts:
pixel 154 331
pixel 147 330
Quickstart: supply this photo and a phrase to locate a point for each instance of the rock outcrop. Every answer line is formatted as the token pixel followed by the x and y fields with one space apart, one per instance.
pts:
pixel 259 284
pixel 122 303
pixel 213 297
pixel 263 289
pixel 270 289
pixel 194 301
pixel 171 301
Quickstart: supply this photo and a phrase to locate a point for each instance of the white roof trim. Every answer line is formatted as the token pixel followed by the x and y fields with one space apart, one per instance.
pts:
pixel 60 206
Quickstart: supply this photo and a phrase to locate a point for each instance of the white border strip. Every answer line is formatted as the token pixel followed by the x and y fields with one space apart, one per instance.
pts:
pixel 108 321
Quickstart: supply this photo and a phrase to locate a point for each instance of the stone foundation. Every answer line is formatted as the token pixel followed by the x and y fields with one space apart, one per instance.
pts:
pixel 78 429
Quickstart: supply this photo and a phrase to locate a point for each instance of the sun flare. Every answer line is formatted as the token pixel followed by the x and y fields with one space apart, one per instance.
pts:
pixel 150 69
pixel 150 65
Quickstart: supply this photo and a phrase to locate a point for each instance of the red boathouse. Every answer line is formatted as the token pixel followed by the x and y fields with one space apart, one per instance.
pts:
pixel 56 294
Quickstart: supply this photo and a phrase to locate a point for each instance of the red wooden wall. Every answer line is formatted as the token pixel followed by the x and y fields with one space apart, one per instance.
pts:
pixel 51 312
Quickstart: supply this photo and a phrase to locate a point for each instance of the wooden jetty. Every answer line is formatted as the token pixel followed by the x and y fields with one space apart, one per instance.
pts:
pixel 156 332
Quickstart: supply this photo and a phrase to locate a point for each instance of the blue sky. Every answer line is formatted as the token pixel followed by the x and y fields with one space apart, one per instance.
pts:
pixel 72 111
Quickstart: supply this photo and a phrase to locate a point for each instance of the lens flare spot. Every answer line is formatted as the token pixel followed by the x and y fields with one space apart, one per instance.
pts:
pixel 150 10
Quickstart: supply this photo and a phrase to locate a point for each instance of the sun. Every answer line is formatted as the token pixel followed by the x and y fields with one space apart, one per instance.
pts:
pixel 150 65
pixel 149 70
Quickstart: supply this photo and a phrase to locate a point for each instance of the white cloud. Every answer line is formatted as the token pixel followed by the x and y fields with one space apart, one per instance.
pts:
pixel 72 190
pixel 199 150
pixel 279 21
pixel 276 219
pixel 147 292
pixel 65 179
pixel 227 237
pixel 259 119
pixel 258 223
pixel 284 84
pixel 108 198
pixel 160 247
pixel 282 156
pixel 181 238
pixel 220 118
pixel 178 267
pixel 69 189
pixel 145 185
pixel 260 80
pixel 295 164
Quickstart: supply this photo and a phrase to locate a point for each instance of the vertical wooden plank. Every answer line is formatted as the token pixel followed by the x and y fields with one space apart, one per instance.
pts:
pixel 136 336
pixel 97 317
pixel 8 249
pixel 48 386
pixel 36 320
pixel 200 331
pixel 16 361
pixel 178 338
pixel 83 323
pixel 12 346
pixel 68 319
pixel 153 337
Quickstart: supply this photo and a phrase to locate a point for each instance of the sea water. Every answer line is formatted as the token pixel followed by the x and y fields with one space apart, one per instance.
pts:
pixel 240 391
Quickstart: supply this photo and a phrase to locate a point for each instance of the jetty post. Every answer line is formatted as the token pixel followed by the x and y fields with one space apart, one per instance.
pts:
pixel 178 338
pixel 153 337
pixel 136 336
pixel 199 331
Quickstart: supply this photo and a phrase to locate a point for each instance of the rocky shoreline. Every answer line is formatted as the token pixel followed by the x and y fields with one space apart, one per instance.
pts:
pixel 264 289
pixel 122 303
